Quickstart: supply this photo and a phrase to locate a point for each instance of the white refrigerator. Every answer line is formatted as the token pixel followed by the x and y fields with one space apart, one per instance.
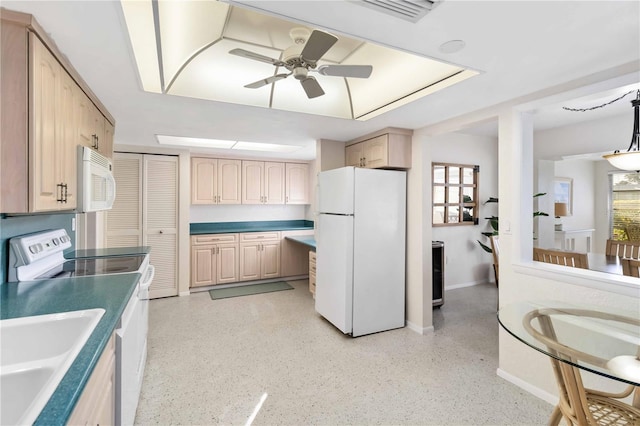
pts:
pixel 360 238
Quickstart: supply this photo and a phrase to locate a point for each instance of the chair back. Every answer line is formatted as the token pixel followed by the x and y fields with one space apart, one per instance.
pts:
pixel 631 267
pixel 560 257
pixel 633 232
pixel 627 249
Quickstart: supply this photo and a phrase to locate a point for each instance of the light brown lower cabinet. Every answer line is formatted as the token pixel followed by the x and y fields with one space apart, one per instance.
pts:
pixel 312 272
pixel 259 255
pixel 214 259
pixel 97 402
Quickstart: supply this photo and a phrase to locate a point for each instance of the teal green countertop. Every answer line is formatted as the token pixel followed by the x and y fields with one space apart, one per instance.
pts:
pixel 307 240
pixel 261 226
pixel 116 251
pixel 29 298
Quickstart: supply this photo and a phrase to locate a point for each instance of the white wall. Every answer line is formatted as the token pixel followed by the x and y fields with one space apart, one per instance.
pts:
pixel 466 262
pixel 590 178
pixel 246 213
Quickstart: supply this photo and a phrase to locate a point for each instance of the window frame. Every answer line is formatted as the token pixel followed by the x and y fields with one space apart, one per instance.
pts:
pixel 460 204
pixel 610 207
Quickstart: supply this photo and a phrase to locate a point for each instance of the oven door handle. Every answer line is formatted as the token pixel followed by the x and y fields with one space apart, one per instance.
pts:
pixel 148 277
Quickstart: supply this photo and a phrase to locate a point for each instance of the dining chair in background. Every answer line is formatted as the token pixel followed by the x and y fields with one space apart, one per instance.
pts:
pixel 631 267
pixel 633 232
pixel 560 257
pixel 626 249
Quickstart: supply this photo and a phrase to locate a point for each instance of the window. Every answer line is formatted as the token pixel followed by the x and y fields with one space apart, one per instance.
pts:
pixel 455 194
pixel 624 213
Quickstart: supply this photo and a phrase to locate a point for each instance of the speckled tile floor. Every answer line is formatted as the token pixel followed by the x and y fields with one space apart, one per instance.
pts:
pixel 209 362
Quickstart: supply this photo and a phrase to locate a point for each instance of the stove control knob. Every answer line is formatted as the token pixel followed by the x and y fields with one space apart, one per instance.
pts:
pixel 35 248
pixel 55 241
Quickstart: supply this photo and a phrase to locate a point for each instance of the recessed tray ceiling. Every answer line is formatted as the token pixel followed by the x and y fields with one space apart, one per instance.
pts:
pixel 182 48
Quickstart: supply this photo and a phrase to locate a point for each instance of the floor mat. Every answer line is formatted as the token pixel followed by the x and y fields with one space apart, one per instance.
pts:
pixel 245 290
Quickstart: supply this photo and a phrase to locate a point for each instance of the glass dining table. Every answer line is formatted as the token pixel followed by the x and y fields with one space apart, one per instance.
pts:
pixel 579 338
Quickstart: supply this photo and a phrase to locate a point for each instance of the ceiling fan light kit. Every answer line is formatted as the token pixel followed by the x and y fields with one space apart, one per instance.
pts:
pixel 301 58
pixel 630 160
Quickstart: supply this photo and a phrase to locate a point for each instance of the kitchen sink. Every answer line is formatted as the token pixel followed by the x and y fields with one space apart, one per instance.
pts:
pixel 35 354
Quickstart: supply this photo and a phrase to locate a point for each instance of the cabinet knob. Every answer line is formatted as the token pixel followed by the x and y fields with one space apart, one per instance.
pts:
pixel 161 231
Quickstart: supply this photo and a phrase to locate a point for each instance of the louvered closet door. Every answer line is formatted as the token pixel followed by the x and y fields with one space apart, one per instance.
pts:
pixel 160 221
pixel 124 220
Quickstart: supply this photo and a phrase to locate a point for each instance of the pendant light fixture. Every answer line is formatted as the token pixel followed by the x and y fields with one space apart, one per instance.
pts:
pixel 629 160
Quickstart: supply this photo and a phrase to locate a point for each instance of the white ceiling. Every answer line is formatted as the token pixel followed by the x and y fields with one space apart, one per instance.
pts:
pixel 519 46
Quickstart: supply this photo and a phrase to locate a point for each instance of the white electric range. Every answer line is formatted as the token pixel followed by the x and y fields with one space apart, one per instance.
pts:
pixel 40 256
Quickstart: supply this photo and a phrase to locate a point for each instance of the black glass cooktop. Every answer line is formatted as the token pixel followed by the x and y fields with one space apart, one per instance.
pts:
pixel 96 266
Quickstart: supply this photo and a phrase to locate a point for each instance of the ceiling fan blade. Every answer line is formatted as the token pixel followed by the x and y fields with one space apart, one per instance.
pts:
pixel 255 56
pixel 318 44
pixel 311 87
pixel 265 81
pixel 357 71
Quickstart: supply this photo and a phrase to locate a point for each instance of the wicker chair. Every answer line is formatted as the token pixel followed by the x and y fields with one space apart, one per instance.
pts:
pixel 631 267
pixel 579 405
pixel 560 257
pixel 626 249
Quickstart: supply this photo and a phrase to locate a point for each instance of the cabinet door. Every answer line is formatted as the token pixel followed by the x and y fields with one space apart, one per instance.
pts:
pixel 203 265
pixel 106 146
pixel 124 220
pixel 353 155
pixel 84 113
pixel 203 180
pixel 97 128
pixel 160 221
pixel 252 180
pixel 228 263
pixel 297 183
pixel 68 157
pixel 270 259
pixel 376 152
pixel 45 88
pixel 249 261
pixel 229 178
pixel 274 183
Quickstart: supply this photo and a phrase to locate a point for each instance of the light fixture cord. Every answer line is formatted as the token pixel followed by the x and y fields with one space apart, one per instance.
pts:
pixel 600 106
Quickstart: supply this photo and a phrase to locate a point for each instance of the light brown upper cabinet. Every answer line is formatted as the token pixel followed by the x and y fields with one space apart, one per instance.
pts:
pixel 41 119
pixel 263 182
pixel 215 181
pixel 390 150
pixel 297 183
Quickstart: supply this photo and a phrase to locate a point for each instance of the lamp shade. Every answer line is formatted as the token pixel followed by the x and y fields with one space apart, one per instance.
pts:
pixel 561 209
pixel 625 160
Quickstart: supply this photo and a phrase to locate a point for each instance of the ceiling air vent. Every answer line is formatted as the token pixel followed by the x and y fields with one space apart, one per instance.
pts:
pixel 409 10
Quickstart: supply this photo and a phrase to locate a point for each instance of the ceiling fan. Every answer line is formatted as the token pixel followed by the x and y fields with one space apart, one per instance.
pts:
pixel 301 58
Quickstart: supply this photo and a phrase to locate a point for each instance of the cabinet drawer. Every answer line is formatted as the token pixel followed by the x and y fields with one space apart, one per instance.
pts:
pixel 259 236
pixel 213 238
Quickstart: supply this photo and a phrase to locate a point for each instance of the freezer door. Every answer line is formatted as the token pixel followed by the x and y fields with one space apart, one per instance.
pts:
pixel 379 251
pixel 334 270
pixel 336 191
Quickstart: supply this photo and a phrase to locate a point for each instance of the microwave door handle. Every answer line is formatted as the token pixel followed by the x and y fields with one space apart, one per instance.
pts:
pixel 111 188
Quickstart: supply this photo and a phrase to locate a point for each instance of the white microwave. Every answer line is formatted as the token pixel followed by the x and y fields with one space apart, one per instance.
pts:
pixel 96 185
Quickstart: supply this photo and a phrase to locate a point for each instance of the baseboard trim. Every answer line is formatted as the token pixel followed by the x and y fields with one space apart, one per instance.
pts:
pixel 420 330
pixel 463 285
pixel 535 391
